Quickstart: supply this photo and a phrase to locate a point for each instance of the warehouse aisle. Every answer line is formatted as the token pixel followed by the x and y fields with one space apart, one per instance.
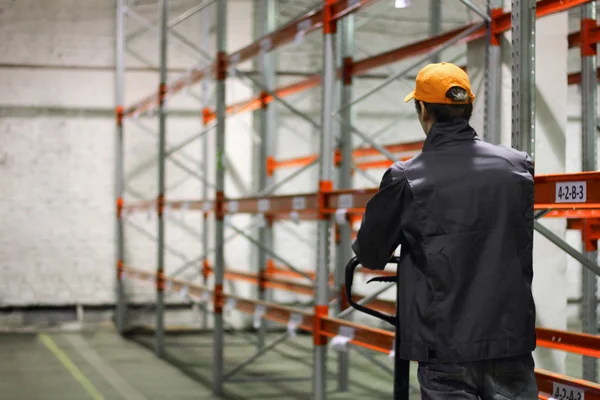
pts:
pixel 102 365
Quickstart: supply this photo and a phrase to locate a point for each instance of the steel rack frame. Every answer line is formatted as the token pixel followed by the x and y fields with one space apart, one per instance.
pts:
pixel 343 205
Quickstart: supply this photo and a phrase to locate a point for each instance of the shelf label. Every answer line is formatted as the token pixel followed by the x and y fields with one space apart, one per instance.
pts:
pixel 298 203
pixel 301 29
pixel 230 304
pixel 233 206
pixel 340 342
pixel 233 62
pixel 564 392
pixel 259 311
pixel 340 216
pixel 264 205
pixel 293 323
pixel 345 201
pixel 265 44
pixel 571 192
pixel 207 206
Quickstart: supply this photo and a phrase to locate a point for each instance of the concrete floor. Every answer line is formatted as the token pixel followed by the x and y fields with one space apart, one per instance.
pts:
pixel 100 364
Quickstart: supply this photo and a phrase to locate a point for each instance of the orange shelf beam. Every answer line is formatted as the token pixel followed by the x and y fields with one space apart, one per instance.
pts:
pixel 382 341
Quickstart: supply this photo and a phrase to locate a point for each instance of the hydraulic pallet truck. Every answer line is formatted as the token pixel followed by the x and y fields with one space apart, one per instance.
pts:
pixel 401 367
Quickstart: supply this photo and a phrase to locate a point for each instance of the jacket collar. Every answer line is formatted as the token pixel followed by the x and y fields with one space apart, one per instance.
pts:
pixel 449 132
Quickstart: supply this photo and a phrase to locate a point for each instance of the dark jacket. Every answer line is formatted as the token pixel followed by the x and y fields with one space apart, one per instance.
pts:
pixel 462 212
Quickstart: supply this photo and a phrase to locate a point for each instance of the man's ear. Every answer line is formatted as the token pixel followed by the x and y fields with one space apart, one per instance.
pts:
pixel 423 111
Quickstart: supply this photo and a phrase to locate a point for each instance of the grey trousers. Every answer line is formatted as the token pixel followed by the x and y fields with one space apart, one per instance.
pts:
pixel 509 378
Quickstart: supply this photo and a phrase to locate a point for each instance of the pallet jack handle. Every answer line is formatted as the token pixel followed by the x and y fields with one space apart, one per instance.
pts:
pixel 350 269
pixel 401 367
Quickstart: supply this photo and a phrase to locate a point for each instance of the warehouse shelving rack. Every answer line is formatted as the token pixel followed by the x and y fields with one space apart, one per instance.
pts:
pixel 341 206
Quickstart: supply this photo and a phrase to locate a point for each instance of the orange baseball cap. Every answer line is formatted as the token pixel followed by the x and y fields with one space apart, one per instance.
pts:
pixel 434 80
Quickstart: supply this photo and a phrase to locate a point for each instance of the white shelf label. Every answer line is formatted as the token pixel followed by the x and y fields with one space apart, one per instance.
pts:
pixel 571 192
pixel 304 25
pixel 264 205
pixel 293 323
pixel 259 311
pixel 345 201
pixel 340 216
pixel 564 392
pixel 298 203
pixel 207 206
pixel 340 342
pixel 230 304
pixel 233 206
pixel 265 44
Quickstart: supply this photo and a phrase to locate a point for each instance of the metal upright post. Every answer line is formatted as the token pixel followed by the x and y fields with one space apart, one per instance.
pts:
pixel 162 136
pixel 219 270
pixel 435 23
pixel 206 24
pixel 344 245
pixel 120 173
pixel 492 78
pixel 589 163
pixel 523 76
pixel 267 130
pixel 325 185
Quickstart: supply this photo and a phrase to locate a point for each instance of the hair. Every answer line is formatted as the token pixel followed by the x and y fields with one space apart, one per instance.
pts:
pixel 449 112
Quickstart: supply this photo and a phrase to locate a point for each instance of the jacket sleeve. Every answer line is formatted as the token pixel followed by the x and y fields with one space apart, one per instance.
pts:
pixel 380 231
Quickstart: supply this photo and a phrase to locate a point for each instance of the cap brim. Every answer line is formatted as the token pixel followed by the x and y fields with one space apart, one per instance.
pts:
pixel 409 97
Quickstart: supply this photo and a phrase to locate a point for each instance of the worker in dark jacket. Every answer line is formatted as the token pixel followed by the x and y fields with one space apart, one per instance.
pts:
pixel 462 212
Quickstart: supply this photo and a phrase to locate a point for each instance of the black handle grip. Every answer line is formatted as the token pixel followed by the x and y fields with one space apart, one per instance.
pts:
pixel 350 268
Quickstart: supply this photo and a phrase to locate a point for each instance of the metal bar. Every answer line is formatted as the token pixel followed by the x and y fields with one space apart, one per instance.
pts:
pixel 205 40
pixel 267 135
pixel 325 181
pixel 589 122
pixel 492 82
pixel 277 97
pixel 365 138
pixel 364 301
pixel 205 253
pixel 190 171
pixel 262 351
pixel 366 175
pixel 189 13
pixel 119 157
pixel 476 10
pixel 151 27
pixel 162 134
pixel 155 238
pixel 219 271
pixel 176 21
pixel 150 161
pixel 270 189
pixel 582 258
pixel 375 361
pixel 435 25
pixel 413 65
pixel 207 128
pixel 270 252
pixel 523 73
pixel 346 28
pixel 182 225
pixel 236 177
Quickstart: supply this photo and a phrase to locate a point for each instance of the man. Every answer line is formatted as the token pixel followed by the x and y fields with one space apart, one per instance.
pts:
pixel 462 212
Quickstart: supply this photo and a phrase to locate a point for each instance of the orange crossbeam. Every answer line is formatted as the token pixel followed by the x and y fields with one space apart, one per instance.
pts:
pixel 357 153
pixel 547 196
pixel 381 340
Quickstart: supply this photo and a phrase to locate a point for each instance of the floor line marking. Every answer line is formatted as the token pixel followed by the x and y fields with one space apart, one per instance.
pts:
pixel 70 366
pixel 110 374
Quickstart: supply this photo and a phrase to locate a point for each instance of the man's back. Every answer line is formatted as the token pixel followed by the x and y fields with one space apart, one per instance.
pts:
pixel 462 212
pixel 473 204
